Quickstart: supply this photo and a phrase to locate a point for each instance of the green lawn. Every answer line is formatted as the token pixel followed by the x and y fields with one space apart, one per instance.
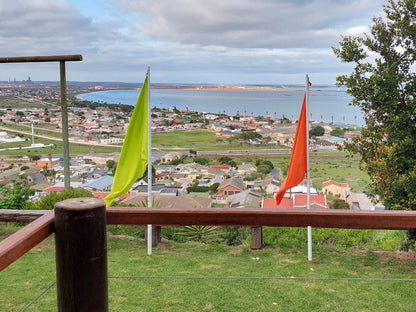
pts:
pixel 196 277
pixel 199 140
pixel 179 138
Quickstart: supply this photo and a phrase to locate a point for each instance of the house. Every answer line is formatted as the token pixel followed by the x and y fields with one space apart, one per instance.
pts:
pixel 298 201
pixel 157 189
pixel 49 163
pixel 300 189
pixel 188 168
pixel 170 157
pixel 60 186
pixel 230 187
pixel 340 189
pixel 103 183
pixel 162 176
pixel 95 174
pixel 360 201
pixel 224 168
pixel 34 178
pixel 246 169
pixel 276 174
pixel 170 201
pixel 246 199
pixel 271 185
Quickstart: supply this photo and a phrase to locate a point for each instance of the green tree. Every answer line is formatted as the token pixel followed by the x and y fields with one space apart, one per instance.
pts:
pixel 15 197
pixel 110 164
pixel 339 203
pixel 47 202
pixel 338 132
pixel 224 160
pixel 317 131
pixel 264 166
pixel 214 187
pixel 383 85
pixel 201 160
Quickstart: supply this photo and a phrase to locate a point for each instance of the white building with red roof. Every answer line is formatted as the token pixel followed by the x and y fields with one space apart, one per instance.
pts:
pixel 297 201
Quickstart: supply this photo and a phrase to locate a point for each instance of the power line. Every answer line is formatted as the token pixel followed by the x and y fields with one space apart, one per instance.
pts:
pixel 270 278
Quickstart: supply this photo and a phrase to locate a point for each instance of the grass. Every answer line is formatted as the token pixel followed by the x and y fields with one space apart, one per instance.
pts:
pixel 324 166
pixel 196 277
pixel 200 140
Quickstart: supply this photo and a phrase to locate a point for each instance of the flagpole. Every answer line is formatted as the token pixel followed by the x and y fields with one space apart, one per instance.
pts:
pixel 308 176
pixel 149 165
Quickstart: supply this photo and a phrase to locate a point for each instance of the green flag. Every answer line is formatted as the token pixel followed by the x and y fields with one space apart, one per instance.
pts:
pixel 134 154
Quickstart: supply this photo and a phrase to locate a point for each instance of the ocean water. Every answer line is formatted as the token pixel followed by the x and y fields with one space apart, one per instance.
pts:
pixel 327 104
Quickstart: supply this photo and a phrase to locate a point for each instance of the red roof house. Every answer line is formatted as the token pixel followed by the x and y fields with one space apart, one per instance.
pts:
pixel 298 201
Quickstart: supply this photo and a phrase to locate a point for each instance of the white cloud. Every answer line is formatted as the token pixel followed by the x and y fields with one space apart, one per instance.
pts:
pixel 251 24
pixel 183 40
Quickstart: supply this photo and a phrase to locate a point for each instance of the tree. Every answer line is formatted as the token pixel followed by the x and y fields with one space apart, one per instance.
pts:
pixel 264 166
pixel 339 203
pixel 47 202
pixel 110 163
pixel 15 197
pixel 201 160
pixel 224 160
pixel 338 132
pixel 384 91
pixel 317 131
pixel 382 85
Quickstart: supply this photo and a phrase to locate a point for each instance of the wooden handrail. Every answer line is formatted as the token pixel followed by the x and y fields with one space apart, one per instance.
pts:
pixel 387 219
pixel 23 240
pixel 17 244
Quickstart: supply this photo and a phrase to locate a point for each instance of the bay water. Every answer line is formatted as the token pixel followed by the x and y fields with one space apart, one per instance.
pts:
pixel 326 103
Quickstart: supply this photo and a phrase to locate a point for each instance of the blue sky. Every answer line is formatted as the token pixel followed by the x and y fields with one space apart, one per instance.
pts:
pixel 183 41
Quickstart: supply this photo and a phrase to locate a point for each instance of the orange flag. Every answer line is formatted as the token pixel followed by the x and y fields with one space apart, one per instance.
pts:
pixel 298 159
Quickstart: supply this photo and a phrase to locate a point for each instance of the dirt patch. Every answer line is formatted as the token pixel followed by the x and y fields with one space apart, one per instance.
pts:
pixel 210 266
pixel 402 255
pixel 307 285
pixel 125 237
pixel 208 306
pixel 236 251
pixel 288 261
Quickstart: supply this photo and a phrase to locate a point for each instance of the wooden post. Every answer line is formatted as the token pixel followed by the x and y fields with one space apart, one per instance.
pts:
pixel 156 235
pixel 81 255
pixel 256 237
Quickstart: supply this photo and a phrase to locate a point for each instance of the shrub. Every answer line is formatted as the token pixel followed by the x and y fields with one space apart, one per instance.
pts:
pixel 47 202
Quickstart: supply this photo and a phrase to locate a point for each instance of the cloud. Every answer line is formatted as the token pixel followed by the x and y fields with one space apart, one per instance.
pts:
pixel 39 26
pixel 197 41
pixel 251 24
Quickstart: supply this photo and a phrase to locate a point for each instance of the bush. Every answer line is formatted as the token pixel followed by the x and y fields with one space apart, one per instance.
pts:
pixel 317 131
pixel 338 238
pixel 47 202
pixel 338 132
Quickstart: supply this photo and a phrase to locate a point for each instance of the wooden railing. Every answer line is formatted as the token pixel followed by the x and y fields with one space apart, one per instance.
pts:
pixel 94 216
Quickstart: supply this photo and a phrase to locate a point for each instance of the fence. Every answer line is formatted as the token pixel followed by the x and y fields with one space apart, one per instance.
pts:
pixel 80 236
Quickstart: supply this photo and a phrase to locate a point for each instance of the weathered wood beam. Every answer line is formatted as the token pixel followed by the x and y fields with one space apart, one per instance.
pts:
pixel 12 215
pixel 48 58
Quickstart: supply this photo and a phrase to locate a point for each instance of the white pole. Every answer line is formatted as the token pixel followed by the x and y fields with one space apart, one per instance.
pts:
pixel 33 136
pixel 308 176
pixel 149 164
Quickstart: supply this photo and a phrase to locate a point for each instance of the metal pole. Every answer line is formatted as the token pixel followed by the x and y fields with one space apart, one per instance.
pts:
pixel 308 175
pixel 64 112
pixel 81 255
pixel 149 166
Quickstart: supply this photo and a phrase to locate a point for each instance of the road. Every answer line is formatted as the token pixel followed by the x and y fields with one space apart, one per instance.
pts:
pixel 29 133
